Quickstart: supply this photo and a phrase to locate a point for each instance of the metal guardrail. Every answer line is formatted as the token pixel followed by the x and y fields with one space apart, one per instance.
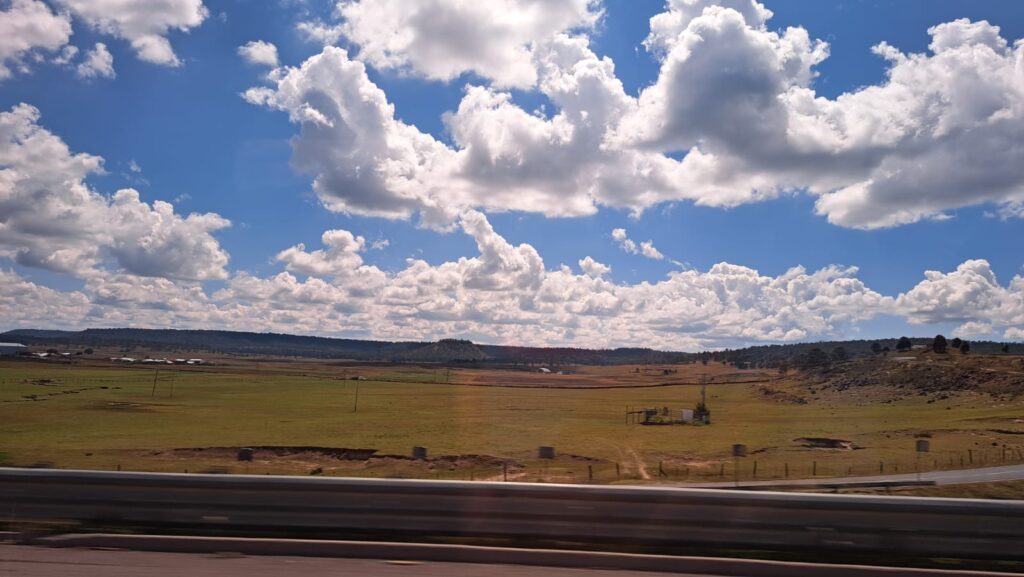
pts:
pixel 654 516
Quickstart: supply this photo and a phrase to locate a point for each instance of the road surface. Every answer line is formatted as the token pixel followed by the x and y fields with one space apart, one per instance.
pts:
pixel 957 477
pixel 23 561
pixel 27 561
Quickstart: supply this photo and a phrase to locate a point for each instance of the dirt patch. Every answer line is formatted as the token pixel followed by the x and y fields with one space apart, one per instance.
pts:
pixel 778 396
pixel 272 452
pixel 1007 431
pixel 310 454
pixel 826 443
pixel 122 407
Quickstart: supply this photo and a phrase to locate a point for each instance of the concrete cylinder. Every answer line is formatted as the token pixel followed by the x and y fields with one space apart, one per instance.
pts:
pixel 419 452
pixel 545 452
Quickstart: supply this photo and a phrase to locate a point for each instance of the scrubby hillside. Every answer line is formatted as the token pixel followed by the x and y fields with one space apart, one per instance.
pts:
pixel 921 373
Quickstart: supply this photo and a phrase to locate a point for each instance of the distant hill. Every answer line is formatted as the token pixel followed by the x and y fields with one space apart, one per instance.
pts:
pixel 445 350
pixel 451 350
pixel 772 355
pixel 220 341
pixel 232 342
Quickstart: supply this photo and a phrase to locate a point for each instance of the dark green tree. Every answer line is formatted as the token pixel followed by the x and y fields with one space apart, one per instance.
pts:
pixel 965 347
pixel 956 342
pixel 839 355
pixel 904 344
pixel 814 359
pixel 1006 348
pixel 876 348
pixel 939 344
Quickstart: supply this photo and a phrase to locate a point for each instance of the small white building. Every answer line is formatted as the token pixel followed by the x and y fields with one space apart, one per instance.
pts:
pixel 11 349
pixel 544 370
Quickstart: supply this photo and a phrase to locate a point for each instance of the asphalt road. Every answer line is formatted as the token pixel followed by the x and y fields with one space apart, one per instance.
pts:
pixel 958 477
pixel 23 561
pixel 659 516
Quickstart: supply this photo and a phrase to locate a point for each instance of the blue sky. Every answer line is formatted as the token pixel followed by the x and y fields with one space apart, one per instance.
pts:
pixel 205 149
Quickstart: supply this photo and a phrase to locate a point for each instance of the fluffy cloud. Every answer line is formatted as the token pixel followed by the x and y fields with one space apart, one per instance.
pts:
pixel 734 98
pixel 971 294
pixel 592 268
pixel 441 39
pixel 506 294
pixel 143 23
pixel 259 52
pixel 936 136
pixel 503 294
pixel 341 255
pixel 27 26
pixel 645 248
pixel 364 160
pixel 50 218
pixel 367 162
pixel 973 329
pixel 28 305
pixel 319 32
pixel 98 63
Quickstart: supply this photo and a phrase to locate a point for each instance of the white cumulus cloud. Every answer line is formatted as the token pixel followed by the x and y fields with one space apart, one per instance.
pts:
pixel 259 52
pixel 28 26
pixel 645 248
pixel 971 294
pixel 441 39
pixel 98 63
pixel 145 24
pixel 734 96
pixel 502 294
pixel 340 255
pixel 50 217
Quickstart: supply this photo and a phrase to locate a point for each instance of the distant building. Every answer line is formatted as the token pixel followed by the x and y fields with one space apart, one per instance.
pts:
pixel 11 349
pixel 544 370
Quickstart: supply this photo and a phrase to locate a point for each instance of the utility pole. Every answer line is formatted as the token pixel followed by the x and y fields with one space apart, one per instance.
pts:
pixel 156 375
pixel 355 406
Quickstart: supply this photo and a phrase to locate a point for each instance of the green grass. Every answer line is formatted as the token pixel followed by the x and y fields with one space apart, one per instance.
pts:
pixel 124 424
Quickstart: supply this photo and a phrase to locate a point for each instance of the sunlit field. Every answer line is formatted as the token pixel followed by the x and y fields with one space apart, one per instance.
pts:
pixel 299 416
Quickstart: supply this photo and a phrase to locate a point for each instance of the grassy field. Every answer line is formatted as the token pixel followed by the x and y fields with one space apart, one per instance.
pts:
pixel 297 414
